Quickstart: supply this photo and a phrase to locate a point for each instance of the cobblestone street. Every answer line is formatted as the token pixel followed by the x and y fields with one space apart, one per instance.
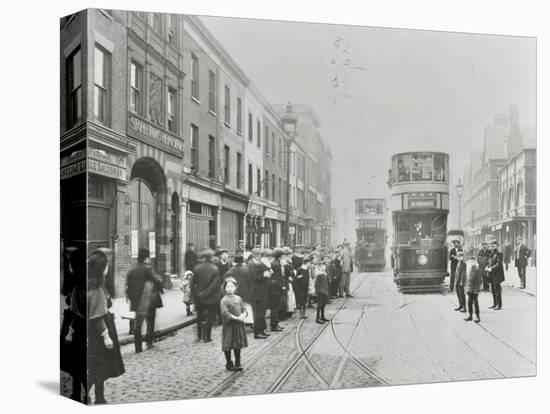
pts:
pixel 357 348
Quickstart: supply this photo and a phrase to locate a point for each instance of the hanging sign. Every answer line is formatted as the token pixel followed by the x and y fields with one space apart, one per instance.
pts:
pixel 152 244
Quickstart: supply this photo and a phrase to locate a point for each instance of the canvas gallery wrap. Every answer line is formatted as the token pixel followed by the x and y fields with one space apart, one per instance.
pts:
pixel 254 206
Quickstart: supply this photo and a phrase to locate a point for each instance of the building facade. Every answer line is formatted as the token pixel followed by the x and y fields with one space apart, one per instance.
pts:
pixel 174 145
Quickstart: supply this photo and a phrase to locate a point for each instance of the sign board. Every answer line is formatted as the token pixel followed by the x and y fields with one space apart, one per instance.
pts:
pixel 151 134
pixel 152 244
pixel 134 243
pixel 106 170
pixel 202 196
pixel 270 213
pixel 291 230
pixel 422 203
pixel 73 169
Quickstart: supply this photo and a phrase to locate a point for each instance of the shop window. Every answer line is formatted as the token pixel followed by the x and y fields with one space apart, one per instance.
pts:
pixel 195 207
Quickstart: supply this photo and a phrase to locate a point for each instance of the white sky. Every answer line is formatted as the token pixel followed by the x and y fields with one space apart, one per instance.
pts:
pixel 380 91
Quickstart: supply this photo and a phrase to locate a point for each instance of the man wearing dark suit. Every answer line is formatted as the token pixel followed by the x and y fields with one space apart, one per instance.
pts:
pixel 205 289
pixel 521 256
pixel 276 289
pixel 508 250
pixel 460 281
pixel 482 259
pixel 143 289
pixel 259 292
pixel 496 275
pixel 190 258
pixel 454 261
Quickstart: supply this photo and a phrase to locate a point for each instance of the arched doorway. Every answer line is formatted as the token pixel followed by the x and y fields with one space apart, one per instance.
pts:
pixel 147 191
pixel 175 232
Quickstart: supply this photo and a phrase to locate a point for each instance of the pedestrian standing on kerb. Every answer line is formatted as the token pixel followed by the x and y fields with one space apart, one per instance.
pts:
pixel 205 291
pixel 186 289
pixel 321 291
pixel 233 332
pixel 190 257
pixel 143 290
pixel 521 257
pixel 496 275
pixel 347 268
pixel 460 273
pixel 473 286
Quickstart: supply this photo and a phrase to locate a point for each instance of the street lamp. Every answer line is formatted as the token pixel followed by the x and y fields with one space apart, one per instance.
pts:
pixel 459 192
pixel 289 121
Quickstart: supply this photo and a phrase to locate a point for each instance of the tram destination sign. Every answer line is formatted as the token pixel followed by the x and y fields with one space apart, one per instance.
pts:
pixel 422 200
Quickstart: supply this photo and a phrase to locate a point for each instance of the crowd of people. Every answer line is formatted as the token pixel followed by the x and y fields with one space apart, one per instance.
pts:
pixel 242 294
pixel 472 273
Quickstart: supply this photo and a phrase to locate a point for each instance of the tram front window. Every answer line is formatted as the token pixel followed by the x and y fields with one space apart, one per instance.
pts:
pixel 440 169
pixel 404 168
pixel 422 167
pixel 416 228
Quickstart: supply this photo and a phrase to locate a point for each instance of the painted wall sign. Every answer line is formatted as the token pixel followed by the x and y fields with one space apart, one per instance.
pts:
pixel 142 130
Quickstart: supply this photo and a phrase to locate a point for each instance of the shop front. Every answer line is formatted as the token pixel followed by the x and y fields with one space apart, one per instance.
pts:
pixel 270 238
pixel 254 225
pixel 202 218
pixel 232 219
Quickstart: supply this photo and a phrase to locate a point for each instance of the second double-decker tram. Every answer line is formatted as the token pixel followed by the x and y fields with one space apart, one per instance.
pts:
pixel 419 183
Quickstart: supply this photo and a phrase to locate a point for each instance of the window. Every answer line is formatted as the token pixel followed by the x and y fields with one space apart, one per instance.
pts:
pixel 172 29
pixel 239 116
pixel 239 166
pixel 226 166
pixel 250 179
pixel 211 156
pixel 194 147
pixel 155 22
pixel 227 106
pixel 266 184
pixel 421 167
pixel 273 142
pixel 266 143
pixel 258 182
pixel 283 154
pixel 250 128
pixel 195 77
pixel 211 91
pixel 440 167
pixel 101 79
pixel 74 91
pixel 280 191
pixel 171 110
pixel 136 86
pixel 273 187
pixel 404 168
pixel 259 133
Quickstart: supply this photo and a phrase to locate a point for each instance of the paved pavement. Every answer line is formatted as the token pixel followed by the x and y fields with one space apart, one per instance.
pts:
pixel 378 337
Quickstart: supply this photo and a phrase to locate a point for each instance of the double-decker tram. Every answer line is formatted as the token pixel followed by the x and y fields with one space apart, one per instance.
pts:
pixel 419 183
pixel 370 248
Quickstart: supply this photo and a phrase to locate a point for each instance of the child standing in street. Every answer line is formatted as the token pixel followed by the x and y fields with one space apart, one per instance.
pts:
pixel 301 286
pixel 186 289
pixel 321 291
pixel 473 285
pixel 233 315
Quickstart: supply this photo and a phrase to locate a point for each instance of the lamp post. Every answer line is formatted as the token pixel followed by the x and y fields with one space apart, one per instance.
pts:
pixel 459 191
pixel 289 121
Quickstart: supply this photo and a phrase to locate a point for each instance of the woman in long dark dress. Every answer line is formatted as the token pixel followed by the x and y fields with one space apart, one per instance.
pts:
pixel 104 358
pixel 301 286
pixel 233 315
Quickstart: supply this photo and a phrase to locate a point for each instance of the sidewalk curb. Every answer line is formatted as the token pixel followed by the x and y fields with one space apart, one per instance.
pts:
pixel 161 332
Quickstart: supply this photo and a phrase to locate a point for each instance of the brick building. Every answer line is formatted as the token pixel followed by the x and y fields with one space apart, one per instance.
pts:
pixel 176 145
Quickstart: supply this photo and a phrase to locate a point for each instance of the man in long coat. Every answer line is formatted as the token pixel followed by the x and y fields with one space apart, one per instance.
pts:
pixel 460 281
pixel 482 259
pixel 143 289
pixel 346 264
pixel 205 289
pixel 521 257
pixel 259 291
pixel 454 261
pixel 496 275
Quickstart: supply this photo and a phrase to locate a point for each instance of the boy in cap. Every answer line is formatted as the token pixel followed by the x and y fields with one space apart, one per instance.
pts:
pixel 460 273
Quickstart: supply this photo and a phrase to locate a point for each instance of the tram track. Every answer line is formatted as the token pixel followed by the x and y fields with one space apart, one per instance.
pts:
pixel 481 326
pixel 302 351
pixel 347 354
